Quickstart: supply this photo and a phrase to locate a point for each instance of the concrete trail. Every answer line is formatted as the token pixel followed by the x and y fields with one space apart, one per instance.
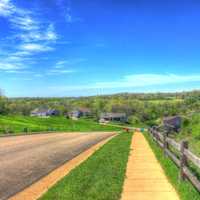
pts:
pixel 145 179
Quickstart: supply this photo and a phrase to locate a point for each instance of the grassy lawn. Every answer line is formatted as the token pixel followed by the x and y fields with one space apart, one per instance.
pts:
pixel 98 178
pixel 17 124
pixel 185 189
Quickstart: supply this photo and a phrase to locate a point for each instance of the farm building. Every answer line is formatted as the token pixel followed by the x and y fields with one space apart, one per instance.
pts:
pixel 118 117
pixel 172 122
pixel 41 112
pixel 81 112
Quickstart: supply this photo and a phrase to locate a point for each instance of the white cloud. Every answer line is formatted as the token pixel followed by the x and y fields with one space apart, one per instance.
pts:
pixel 60 64
pixel 37 35
pixel 134 81
pixel 10 66
pixel 66 11
pixel 18 17
pixel 51 34
pixel 141 80
pixel 33 47
pixel 18 72
pixel 60 71
pixel 63 63
pixel 25 23
pixel 6 8
pixel 34 36
pixel 21 53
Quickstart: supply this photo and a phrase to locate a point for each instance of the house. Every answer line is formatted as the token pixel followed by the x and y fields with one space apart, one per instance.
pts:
pixel 172 123
pixel 81 112
pixel 85 111
pixel 42 112
pixel 118 117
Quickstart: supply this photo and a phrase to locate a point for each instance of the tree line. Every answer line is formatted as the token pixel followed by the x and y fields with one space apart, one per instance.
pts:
pixel 140 107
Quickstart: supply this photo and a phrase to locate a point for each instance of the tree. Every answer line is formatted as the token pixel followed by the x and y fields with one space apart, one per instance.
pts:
pixel 3 103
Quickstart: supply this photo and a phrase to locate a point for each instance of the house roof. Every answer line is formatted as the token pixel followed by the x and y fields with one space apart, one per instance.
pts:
pixel 171 118
pixel 112 115
pixel 43 110
pixel 172 121
pixel 84 109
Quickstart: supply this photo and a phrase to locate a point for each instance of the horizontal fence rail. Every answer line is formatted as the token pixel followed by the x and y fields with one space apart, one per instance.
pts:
pixel 180 155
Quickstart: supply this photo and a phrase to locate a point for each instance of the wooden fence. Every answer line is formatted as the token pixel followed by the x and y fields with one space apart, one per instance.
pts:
pixel 181 156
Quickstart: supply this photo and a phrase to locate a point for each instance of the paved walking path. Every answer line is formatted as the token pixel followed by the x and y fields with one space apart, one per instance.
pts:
pixel 145 179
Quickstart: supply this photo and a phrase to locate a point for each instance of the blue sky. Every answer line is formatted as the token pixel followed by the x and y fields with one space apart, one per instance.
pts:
pixel 76 48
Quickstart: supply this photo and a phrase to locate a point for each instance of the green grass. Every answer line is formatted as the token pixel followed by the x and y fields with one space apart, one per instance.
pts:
pixel 98 178
pixel 163 101
pixel 185 189
pixel 17 124
pixel 191 132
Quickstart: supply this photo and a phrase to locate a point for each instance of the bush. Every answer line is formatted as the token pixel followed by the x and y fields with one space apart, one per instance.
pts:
pixel 133 120
pixel 185 122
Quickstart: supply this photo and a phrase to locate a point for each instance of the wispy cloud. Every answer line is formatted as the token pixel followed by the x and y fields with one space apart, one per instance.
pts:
pixel 48 35
pixel 141 80
pixel 34 36
pixel 66 10
pixel 64 63
pixel 134 81
pixel 33 47
pixel 60 71
pixel 61 64
pixel 24 22
pixel 19 72
pixel 10 66
pixel 6 8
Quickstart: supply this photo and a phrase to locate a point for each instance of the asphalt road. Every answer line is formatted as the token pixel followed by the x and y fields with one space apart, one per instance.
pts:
pixel 26 159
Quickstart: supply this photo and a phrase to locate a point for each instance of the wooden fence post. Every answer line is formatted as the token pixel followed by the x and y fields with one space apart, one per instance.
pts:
pixel 165 144
pixel 157 137
pixel 183 159
pixel 152 132
pixel 154 136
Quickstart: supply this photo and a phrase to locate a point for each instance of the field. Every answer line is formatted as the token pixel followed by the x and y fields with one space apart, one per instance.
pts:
pixel 163 101
pixel 19 124
pixel 108 166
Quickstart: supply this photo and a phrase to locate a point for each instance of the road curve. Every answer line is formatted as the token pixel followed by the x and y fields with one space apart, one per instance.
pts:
pixel 26 159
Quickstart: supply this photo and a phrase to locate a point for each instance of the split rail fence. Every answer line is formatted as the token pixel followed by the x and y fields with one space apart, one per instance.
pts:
pixel 180 154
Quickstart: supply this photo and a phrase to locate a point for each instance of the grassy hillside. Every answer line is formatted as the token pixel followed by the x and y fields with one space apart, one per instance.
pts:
pixel 191 132
pixel 18 124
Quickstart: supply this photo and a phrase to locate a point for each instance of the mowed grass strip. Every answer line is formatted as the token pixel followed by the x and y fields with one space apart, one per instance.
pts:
pixel 184 188
pixel 100 177
pixel 17 124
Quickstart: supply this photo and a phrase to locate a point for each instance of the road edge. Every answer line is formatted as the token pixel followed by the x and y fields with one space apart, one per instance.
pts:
pixel 37 189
